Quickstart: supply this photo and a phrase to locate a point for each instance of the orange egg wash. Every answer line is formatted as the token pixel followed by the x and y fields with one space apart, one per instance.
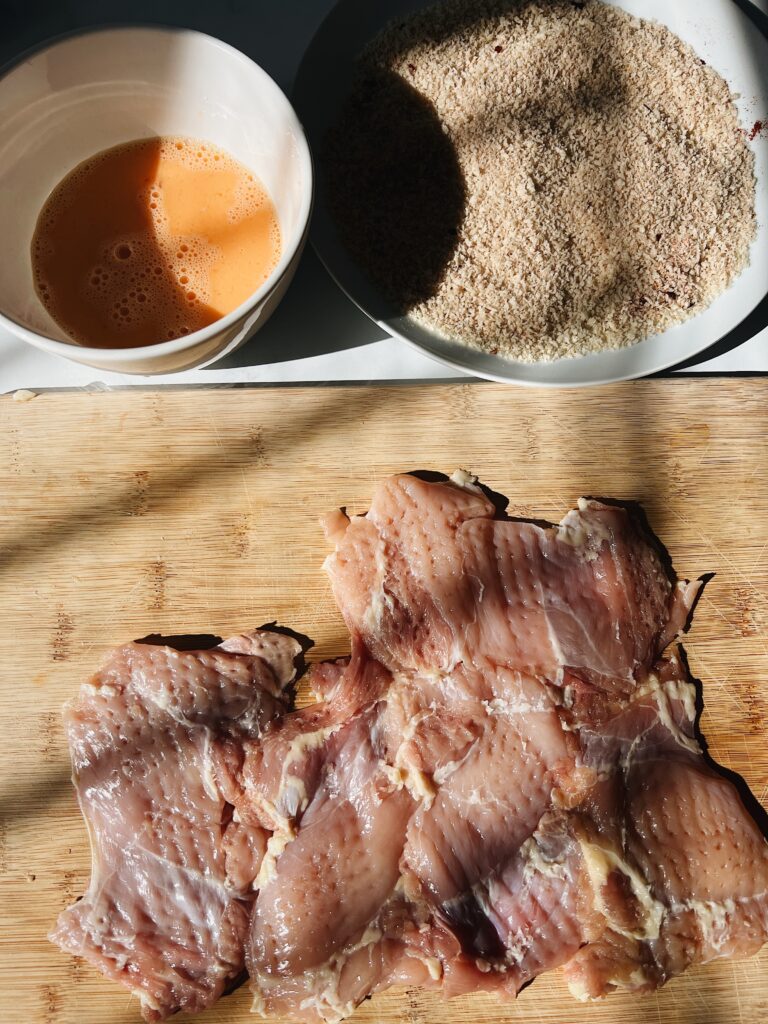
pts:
pixel 152 240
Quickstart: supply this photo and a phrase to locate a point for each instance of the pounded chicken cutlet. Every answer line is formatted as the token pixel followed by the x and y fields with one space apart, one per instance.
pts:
pixel 504 777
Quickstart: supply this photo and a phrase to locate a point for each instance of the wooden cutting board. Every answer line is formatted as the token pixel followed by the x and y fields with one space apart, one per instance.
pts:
pixel 130 513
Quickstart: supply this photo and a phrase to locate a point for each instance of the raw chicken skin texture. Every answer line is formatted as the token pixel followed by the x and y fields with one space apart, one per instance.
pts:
pixel 168 906
pixel 502 778
pixel 535 735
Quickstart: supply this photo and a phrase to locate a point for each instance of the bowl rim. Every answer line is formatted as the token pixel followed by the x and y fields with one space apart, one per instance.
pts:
pixel 73 350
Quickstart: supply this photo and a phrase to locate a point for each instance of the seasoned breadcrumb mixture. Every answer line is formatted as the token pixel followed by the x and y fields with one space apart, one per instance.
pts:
pixel 607 191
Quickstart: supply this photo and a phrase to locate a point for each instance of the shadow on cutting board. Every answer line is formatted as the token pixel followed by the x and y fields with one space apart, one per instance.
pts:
pixel 29 797
pixel 755 809
pixel 152 491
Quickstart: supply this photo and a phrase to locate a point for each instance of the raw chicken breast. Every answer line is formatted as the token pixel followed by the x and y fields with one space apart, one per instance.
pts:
pixel 503 778
pixel 548 746
pixel 431 580
pixel 167 909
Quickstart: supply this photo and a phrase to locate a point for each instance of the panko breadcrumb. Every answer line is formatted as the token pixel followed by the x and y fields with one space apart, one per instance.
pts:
pixel 606 190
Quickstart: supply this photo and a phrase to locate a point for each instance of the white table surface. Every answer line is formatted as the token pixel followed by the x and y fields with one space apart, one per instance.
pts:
pixel 316 334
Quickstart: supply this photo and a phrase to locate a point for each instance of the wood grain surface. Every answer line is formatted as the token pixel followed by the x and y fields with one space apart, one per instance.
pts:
pixel 130 513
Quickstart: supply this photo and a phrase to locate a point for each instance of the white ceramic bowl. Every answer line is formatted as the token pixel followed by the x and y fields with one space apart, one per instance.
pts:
pixel 88 92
